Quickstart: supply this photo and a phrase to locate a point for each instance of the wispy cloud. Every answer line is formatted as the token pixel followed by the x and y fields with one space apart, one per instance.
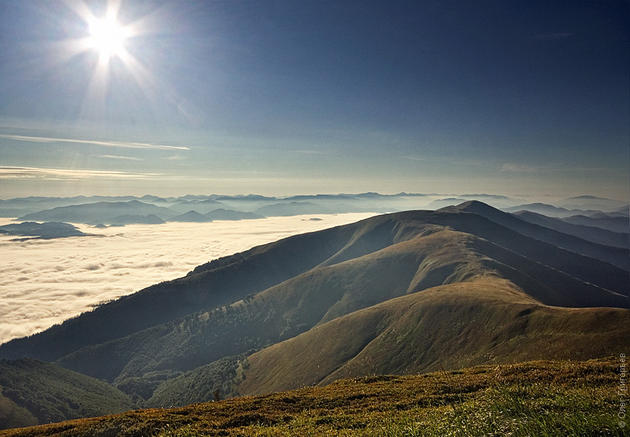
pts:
pixel 68 174
pixel 122 157
pixel 119 144
pixel 174 158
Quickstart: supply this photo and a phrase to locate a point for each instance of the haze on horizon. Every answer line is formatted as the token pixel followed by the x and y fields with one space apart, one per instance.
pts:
pixel 282 97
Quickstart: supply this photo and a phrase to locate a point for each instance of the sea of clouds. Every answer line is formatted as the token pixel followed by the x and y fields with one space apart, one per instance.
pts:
pixel 43 282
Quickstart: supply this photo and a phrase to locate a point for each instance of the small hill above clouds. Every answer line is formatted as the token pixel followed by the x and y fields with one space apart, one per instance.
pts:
pixel 403 292
pixel 47 230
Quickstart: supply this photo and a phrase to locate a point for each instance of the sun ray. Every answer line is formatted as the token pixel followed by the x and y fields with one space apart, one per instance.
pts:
pixel 94 101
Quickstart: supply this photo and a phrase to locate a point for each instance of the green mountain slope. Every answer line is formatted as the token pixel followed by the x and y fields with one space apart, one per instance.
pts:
pixel 451 326
pixel 528 399
pixel 33 392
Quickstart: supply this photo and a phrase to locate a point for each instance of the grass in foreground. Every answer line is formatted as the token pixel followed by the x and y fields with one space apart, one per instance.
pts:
pixel 540 398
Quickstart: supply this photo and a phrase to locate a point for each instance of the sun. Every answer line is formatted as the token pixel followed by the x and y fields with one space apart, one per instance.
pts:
pixel 107 37
pixel 111 41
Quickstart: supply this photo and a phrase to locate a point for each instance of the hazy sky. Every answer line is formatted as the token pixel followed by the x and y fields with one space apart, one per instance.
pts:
pixel 282 97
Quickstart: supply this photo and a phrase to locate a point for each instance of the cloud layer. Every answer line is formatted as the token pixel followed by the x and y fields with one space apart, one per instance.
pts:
pixel 44 282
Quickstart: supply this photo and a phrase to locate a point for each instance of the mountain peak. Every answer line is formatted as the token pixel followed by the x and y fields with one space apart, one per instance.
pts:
pixel 472 206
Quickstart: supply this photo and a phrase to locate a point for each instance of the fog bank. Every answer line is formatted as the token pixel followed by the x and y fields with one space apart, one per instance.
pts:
pixel 44 282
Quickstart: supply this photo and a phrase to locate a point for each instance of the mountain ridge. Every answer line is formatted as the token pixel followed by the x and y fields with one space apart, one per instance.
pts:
pixel 589 233
pixel 210 327
pixel 616 256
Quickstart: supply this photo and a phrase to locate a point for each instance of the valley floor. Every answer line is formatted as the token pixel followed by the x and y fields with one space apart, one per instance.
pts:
pixel 563 398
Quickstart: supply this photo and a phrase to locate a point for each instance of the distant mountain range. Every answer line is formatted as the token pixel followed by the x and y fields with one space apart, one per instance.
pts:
pixel 217 214
pixel 398 293
pixel 100 210
pixel 203 204
pixel 550 210
pixel 103 212
pixel 612 223
pixel 594 203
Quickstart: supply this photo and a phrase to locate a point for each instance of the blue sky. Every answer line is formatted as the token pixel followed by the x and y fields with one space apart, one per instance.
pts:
pixel 283 97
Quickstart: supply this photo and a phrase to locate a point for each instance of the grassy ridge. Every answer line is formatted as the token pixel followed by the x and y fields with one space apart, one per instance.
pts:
pixel 483 320
pixel 534 398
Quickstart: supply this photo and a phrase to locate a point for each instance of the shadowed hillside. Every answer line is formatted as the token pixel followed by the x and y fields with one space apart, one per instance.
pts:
pixel 33 392
pixel 619 257
pixel 589 233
